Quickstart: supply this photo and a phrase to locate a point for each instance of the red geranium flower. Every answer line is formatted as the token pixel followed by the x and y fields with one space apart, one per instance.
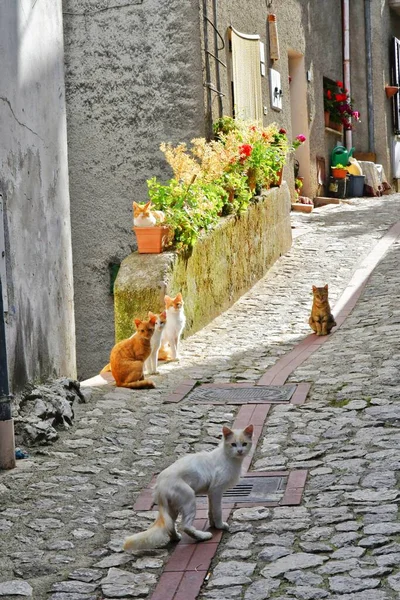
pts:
pixel 339 84
pixel 245 150
pixel 328 94
pixel 282 131
pixel 340 97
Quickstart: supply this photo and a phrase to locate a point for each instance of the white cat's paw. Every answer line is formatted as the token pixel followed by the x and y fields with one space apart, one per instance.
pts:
pixel 223 526
pixel 203 536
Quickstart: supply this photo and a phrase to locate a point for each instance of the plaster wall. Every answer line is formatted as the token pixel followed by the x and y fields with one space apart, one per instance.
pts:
pixel 34 185
pixel 133 80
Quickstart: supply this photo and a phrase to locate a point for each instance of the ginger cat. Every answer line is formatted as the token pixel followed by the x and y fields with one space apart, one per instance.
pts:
pixel 143 216
pixel 127 357
pixel 210 473
pixel 150 365
pixel 321 320
pixel 176 321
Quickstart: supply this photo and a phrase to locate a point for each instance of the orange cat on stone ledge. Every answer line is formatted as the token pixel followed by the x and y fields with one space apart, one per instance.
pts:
pixel 127 357
pixel 321 320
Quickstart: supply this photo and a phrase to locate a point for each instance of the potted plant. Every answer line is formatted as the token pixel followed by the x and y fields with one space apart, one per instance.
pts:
pixel 338 104
pixel 339 172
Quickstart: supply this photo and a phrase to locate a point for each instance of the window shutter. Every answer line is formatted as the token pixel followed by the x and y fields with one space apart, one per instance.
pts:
pixel 246 76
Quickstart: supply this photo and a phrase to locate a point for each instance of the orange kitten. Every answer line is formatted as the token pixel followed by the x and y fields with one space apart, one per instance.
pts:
pixel 127 357
pixel 143 216
pixel 321 320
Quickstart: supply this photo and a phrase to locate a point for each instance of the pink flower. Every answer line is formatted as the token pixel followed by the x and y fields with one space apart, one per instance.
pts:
pixel 301 138
pixel 356 115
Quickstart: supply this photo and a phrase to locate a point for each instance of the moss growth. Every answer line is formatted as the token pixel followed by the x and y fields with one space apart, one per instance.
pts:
pixel 222 266
pixel 339 403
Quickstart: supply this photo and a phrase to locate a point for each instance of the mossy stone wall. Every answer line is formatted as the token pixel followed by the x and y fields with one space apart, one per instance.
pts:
pixel 223 265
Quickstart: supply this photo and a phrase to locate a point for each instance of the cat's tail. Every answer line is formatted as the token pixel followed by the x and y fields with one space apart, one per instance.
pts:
pixel 106 369
pixel 164 353
pixel 144 384
pixel 157 536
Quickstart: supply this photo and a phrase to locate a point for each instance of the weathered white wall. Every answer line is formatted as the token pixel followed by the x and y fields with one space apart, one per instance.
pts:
pixel 34 183
pixel 133 80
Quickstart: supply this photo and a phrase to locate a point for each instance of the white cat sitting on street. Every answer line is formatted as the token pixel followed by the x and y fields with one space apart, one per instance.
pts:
pixel 176 322
pixel 210 473
pixel 150 364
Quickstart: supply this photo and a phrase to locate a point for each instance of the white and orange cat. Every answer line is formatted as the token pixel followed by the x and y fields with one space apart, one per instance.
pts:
pixel 210 473
pixel 151 363
pixel 176 322
pixel 143 216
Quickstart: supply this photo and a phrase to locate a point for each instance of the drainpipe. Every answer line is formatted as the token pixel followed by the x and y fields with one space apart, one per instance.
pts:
pixel 216 50
pixel 346 59
pixel 7 445
pixel 370 99
pixel 208 72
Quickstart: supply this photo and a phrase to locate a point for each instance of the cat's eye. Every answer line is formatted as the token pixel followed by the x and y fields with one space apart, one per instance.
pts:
pixel 244 444
pixel 234 444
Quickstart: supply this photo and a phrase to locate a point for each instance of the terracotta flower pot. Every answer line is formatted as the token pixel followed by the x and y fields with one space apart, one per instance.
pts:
pixel 252 178
pixel 339 173
pixel 152 240
pixel 327 117
pixel 336 126
pixel 278 180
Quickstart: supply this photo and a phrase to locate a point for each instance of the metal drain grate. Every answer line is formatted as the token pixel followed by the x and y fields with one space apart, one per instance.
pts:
pixel 241 394
pixel 257 490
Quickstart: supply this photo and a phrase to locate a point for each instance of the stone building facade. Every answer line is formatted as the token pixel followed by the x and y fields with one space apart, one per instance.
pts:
pixel 136 75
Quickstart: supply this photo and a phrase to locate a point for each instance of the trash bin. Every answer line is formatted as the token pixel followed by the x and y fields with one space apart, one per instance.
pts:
pixel 355 186
pixel 337 188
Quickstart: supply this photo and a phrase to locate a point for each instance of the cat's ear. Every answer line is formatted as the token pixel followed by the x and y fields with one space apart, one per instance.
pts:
pixel 147 205
pixel 326 287
pixel 178 297
pixel 167 301
pixel 314 288
pixel 226 432
pixel 153 319
pixel 137 322
pixel 164 314
pixel 151 314
pixel 249 431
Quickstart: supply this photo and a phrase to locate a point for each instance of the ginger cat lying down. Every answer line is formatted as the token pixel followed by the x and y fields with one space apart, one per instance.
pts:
pixel 128 357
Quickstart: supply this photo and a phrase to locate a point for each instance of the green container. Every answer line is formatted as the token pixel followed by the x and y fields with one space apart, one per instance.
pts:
pixel 340 156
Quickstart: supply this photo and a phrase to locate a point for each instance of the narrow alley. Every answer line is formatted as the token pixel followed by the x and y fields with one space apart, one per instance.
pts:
pixel 70 505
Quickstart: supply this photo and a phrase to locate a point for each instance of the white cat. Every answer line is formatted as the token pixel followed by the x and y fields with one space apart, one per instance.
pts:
pixel 176 322
pixel 150 364
pixel 143 216
pixel 210 473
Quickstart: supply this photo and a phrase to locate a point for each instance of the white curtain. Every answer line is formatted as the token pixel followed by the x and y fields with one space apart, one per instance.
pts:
pixel 246 76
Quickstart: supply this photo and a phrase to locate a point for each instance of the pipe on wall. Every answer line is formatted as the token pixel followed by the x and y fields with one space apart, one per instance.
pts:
pixel 7 445
pixel 208 72
pixel 346 60
pixel 370 97
pixel 216 51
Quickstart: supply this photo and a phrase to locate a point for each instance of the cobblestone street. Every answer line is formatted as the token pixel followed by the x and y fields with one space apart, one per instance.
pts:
pixel 65 510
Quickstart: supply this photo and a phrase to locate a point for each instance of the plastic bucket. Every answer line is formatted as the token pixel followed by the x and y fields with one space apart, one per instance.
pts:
pixel 355 186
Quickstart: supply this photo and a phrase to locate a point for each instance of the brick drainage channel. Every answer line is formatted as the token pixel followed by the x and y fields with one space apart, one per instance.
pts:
pixel 187 568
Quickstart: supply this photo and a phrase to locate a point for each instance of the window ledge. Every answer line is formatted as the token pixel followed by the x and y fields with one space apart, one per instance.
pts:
pixel 329 130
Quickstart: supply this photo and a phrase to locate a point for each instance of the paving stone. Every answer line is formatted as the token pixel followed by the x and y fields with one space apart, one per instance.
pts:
pixel 16 587
pixel 251 514
pixel 119 583
pixel 241 540
pixel 301 560
pixel 348 552
pixel 341 584
pixel 74 587
pixel 307 593
pixel 394 582
pixel 373 541
pixel 260 590
pixel 271 553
